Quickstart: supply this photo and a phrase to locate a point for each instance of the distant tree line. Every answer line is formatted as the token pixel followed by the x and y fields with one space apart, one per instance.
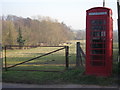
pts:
pixel 80 35
pixel 40 30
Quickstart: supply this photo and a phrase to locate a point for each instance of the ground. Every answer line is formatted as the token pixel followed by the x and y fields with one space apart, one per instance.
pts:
pixel 70 78
pixel 13 85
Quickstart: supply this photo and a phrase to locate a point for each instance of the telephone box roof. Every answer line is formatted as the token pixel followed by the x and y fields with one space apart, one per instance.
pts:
pixel 99 8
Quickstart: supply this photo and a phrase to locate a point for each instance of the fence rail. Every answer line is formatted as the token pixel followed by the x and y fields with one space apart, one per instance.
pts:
pixel 31 46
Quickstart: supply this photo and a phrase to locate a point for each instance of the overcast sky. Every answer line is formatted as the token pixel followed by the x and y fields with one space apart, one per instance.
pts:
pixel 71 12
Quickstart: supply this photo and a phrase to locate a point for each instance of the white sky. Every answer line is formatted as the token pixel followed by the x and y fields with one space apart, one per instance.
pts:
pixel 71 12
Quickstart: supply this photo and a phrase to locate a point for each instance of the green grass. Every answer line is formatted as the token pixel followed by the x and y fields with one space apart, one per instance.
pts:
pixel 55 62
pixel 38 68
pixel 75 76
pixel 16 56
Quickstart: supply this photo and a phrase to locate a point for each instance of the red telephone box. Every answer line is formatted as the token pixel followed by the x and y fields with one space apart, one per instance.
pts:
pixel 99 39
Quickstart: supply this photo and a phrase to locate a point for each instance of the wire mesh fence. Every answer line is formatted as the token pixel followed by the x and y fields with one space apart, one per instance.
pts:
pixel 73 52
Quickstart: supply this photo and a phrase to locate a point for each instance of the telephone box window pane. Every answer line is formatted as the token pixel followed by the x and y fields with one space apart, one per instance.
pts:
pixel 97 63
pixel 98 39
pixel 97 57
pixel 103 33
pixel 95 34
pixel 98 22
pixel 97 45
pixel 94 27
pixel 102 51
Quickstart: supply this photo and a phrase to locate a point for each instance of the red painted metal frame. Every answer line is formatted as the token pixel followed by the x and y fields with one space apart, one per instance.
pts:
pixel 106 68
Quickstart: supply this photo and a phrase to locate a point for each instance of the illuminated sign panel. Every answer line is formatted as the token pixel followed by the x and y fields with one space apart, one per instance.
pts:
pixel 98 13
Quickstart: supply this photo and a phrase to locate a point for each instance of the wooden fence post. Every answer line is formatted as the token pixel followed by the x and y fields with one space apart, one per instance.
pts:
pixel 78 56
pixel 5 59
pixel 67 56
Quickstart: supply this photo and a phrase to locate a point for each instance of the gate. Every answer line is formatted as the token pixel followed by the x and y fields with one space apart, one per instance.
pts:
pixel 35 58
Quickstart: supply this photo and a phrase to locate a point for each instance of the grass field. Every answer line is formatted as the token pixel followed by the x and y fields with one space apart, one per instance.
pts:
pixel 54 61
pixel 50 62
